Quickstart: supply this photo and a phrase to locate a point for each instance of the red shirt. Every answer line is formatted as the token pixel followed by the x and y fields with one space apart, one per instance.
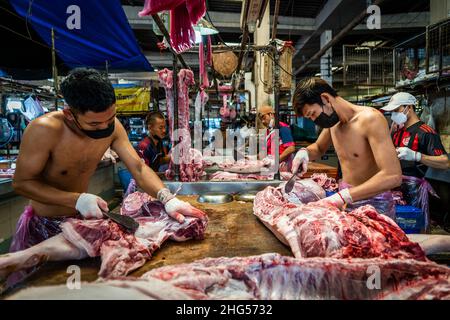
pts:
pixel 141 148
pixel 285 137
pixel 425 140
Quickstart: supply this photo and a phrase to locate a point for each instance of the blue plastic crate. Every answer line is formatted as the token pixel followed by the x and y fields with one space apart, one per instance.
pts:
pixel 125 178
pixel 410 219
pixel 329 193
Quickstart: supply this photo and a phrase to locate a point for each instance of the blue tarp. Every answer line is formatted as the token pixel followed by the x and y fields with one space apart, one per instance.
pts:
pixel 104 34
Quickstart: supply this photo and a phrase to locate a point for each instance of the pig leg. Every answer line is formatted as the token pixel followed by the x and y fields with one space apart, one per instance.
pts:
pixel 56 248
pixel 431 243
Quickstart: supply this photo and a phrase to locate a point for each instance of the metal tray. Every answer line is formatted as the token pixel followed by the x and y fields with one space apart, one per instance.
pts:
pixel 219 187
pixel 215 198
pixel 246 197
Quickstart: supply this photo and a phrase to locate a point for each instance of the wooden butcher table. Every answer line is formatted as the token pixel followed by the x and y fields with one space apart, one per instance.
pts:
pixel 232 231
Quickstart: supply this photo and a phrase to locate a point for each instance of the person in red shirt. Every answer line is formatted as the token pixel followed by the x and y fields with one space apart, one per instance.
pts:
pixel 418 145
pixel 286 144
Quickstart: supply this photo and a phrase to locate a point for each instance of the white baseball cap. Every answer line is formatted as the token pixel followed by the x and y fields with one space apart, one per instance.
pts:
pixel 400 99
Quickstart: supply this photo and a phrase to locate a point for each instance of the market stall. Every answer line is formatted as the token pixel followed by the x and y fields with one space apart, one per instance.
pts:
pixel 178 147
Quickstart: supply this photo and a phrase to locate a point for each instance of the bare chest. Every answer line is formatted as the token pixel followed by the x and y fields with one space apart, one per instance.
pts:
pixel 75 157
pixel 351 144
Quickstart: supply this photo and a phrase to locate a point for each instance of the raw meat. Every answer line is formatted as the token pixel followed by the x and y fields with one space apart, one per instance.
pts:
pixel 322 230
pixel 191 166
pixel 247 165
pixel 230 176
pixel 121 252
pixel 190 160
pixel 270 277
pixel 329 184
pixel 398 198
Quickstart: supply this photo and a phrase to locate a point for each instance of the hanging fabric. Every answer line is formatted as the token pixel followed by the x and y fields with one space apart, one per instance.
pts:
pixel 183 15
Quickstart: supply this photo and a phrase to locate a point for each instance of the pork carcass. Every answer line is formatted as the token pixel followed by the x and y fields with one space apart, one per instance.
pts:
pixel 121 252
pixel 231 176
pixel 190 160
pixel 247 165
pixel 322 230
pixel 272 277
pixel 326 182
pixel 191 165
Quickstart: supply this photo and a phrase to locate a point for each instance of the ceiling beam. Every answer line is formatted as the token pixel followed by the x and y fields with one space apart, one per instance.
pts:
pixel 228 22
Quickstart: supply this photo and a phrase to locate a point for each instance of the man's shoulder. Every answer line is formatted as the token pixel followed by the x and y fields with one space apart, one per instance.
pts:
pixel 52 122
pixel 424 128
pixel 370 116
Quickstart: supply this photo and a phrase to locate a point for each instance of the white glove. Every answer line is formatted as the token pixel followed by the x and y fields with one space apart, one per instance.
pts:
pixel 88 205
pixel 176 208
pixel 301 159
pixel 339 198
pixel 407 154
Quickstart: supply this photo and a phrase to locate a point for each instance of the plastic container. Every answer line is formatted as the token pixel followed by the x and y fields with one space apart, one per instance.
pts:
pixel 410 219
pixel 329 193
pixel 125 178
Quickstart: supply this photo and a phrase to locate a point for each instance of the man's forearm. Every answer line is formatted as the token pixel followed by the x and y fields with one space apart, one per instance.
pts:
pixel 437 162
pixel 379 183
pixel 43 193
pixel 314 152
pixel 286 153
pixel 148 180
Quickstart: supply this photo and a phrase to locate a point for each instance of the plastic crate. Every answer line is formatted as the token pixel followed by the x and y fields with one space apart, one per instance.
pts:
pixel 329 193
pixel 410 219
pixel 125 178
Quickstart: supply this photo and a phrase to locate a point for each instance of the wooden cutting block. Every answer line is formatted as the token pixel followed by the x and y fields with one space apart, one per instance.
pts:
pixel 315 167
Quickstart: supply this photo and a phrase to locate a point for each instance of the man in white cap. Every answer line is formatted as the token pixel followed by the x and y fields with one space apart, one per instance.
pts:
pixel 418 145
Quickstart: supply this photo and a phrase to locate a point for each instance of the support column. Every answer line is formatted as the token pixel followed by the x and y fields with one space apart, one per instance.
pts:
pixel 439 10
pixel 326 61
pixel 261 38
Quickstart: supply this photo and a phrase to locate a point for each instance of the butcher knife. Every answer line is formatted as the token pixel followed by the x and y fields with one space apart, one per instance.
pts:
pixel 290 184
pixel 127 222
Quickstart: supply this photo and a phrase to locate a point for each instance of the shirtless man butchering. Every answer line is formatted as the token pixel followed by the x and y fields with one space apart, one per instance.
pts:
pixel 60 152
pixel 368 159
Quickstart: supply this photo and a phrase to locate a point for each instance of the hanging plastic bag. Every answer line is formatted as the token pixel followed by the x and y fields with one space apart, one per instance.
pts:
pixel 415 193
pixel 33 109
pixel 384 202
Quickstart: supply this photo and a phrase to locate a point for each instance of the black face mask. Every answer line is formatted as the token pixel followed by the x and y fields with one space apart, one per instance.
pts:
pixel 96 134
pixel 327 121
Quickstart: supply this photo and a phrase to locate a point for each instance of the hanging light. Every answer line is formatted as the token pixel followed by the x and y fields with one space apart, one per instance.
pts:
pixel 198 37
pixel 205 28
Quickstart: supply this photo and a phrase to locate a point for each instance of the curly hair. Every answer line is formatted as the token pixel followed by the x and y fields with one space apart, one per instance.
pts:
pixel 88 90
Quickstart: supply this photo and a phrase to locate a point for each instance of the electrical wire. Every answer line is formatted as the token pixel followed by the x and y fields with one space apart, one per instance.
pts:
pixel 218 34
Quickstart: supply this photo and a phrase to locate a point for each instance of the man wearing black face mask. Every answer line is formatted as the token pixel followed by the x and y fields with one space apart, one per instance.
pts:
pixel 60 152
pixel 360 136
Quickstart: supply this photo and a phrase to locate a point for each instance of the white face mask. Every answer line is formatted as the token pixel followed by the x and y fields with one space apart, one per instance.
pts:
pixel 271 123
pixel 399 117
